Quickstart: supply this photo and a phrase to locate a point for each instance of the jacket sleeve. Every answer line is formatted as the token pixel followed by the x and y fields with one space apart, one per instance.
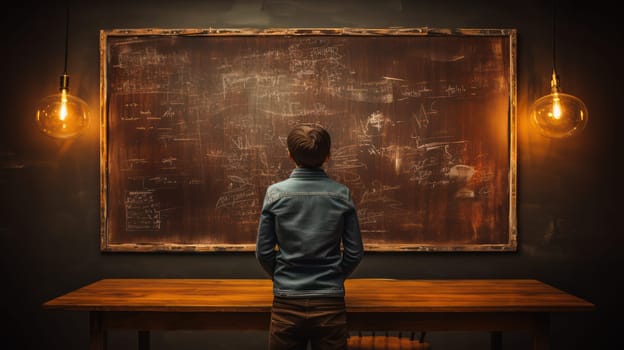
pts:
pixel 266 239
pixel 353 249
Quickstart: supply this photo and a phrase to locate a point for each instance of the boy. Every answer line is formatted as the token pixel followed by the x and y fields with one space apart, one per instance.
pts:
pixel 307 217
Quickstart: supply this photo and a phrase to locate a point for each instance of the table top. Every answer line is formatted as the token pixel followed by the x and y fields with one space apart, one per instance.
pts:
pixel 362 295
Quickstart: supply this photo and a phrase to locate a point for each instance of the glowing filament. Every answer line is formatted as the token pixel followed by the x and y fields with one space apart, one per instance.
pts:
pixel 63 110
pixel 556 111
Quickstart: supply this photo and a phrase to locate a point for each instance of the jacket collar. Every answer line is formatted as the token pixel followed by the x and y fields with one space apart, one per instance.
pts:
pixel 308 173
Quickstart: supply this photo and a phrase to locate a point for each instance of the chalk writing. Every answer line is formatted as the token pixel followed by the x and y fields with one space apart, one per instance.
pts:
pixel 142 211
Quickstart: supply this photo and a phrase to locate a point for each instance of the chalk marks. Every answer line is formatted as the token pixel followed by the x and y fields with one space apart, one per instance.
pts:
pixel 142 211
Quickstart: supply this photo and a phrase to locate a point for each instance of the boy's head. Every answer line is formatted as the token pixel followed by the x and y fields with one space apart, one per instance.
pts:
pixel 308 145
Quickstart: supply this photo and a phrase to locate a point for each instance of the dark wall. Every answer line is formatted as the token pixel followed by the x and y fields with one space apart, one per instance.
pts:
pixel 568 190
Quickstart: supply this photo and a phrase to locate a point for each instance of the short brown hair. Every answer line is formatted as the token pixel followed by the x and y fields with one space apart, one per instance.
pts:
pixel 309 145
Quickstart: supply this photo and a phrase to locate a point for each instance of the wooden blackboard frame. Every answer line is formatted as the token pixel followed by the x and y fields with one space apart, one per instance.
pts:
pixel 112 240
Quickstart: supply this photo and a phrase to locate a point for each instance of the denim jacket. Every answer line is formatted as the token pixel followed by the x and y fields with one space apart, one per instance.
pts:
pixel 303 223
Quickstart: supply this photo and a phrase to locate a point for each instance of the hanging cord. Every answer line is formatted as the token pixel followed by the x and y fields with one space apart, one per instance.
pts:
pixel 66 35
pixel 554 34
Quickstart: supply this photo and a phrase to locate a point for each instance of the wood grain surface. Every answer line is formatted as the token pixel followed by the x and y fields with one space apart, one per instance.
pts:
pixel 362 295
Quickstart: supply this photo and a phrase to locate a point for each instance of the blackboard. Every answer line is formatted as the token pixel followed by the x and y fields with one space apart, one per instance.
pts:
pixel 193 127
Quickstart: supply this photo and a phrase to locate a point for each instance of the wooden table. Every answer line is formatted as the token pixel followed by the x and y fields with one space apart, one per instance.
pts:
pixel 493 305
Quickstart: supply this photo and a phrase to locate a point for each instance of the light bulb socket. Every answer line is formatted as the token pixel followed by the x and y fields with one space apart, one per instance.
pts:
pixel 64 81
pixel 554 82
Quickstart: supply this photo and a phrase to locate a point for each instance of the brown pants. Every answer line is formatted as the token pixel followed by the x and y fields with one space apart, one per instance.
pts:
pixel 320 321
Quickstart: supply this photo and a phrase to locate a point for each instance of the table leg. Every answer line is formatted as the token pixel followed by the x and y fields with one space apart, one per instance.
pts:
pixel 97 334
pixel 541 335
pixel 144 340
pixel 496 340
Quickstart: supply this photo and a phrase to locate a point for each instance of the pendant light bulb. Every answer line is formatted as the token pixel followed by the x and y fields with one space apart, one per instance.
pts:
pixel 558 114
pixel 62 115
